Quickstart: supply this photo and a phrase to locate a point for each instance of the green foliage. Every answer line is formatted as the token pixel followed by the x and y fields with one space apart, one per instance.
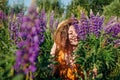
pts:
pixel 49 5
pixel 97 53
pixel 95 5
pixel 18 77
pixel 115 73
pixel 112 10
pixel 17 8
pixel 75 10
pixel 3 4
pixel 44 70
pixel 7 50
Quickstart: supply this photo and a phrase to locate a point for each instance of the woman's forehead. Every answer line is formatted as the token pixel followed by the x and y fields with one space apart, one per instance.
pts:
pixel 71 28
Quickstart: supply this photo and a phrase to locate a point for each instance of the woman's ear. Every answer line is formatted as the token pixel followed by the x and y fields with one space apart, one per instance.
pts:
pixel 53 49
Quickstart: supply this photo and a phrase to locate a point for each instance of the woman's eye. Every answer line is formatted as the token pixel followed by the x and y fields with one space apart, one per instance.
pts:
pixel 70 33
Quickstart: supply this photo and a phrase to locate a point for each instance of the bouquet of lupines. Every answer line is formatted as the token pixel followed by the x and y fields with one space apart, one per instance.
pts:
pixel 95 54
pixel 82 27
pixel 29 32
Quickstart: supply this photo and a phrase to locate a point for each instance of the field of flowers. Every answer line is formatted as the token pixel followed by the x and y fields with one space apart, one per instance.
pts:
pixel 26 40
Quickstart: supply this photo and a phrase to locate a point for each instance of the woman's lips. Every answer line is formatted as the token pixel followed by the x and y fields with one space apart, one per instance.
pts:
pixel 75 40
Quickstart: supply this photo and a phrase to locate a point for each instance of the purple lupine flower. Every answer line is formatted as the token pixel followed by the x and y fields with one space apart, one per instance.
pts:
pixel 13 30
pixel 42 19
pixel 30 34
pixel 96 23
pixel 56 24
pixel 82 27
pixel 112 20
pixel 51 20
pixel 116 41
pixel 19 15
pixel 113 30
pixel 15 22
pixel 32 13
pixel 20 44
pixel 43 16
pixel 112 27
pixel 2 15
pixel 32 68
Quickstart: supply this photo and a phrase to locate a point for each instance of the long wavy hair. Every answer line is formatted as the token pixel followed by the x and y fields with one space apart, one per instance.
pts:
pixel 61 35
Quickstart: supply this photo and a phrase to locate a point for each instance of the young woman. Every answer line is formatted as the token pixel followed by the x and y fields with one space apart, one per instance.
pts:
pixel 65 43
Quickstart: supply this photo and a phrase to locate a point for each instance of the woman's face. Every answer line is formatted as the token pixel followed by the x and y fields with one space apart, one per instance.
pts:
pixel 73 36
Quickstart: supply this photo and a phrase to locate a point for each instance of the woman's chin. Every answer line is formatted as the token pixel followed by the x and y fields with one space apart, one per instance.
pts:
pixel 74 43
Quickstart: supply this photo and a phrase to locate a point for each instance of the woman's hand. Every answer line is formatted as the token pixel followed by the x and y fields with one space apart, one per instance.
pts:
pixel 53 50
